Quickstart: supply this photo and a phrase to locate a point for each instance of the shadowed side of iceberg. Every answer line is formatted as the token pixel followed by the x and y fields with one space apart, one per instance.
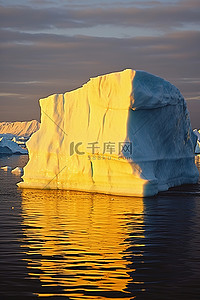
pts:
pixel 162 138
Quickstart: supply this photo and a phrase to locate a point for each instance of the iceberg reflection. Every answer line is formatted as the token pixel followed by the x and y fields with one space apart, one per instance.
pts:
pixel 76 243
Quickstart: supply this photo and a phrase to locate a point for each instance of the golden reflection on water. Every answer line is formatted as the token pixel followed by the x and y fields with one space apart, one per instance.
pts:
pixel 78 241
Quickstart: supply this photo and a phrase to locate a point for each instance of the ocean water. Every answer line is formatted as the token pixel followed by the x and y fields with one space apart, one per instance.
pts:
pixel 74 245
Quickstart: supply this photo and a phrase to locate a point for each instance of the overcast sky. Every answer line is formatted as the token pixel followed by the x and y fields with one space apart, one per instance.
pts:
pixel 55 46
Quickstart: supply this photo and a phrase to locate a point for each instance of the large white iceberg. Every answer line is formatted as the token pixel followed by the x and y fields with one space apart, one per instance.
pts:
pixel 125 133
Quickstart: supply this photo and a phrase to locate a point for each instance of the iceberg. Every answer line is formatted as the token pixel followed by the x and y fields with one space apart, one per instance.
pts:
pixel 21 129
pixel 10 147
pixel 17 171
pixel 6 168
pixel 14 135
pixel 197 148
pixel 4 150
pixel 124 133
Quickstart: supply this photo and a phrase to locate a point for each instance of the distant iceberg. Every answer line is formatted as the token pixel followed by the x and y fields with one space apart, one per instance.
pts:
pixel 17 171
pixel 10 147
pixel 125 133
pixel 14 135
pixel 6 168
pixel 20 129
pixel 197 148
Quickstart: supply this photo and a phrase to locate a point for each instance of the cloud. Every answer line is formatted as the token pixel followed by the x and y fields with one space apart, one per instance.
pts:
pixel 35 64
pixel 194 98
pixel 51 58
pixel 164 16
pixel 8 94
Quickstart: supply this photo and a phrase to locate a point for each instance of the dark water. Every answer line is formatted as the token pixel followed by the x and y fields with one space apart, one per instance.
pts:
pixel 76 245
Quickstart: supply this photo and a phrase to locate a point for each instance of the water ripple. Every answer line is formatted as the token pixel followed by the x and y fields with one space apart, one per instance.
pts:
pixel 90 246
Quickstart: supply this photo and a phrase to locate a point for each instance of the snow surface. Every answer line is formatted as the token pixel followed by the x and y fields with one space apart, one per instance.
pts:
pixel 10 147
pixel 130 107
pixel 24 129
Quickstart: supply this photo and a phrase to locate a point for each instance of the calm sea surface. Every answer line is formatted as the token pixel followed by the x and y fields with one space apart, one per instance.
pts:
pixel 77 245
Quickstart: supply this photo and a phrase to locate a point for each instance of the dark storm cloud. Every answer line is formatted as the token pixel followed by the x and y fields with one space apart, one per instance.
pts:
pixel 29 18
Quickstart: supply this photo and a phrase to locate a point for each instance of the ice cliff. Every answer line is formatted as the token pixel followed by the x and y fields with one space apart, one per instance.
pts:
pixel 25 129
pixel 125 133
